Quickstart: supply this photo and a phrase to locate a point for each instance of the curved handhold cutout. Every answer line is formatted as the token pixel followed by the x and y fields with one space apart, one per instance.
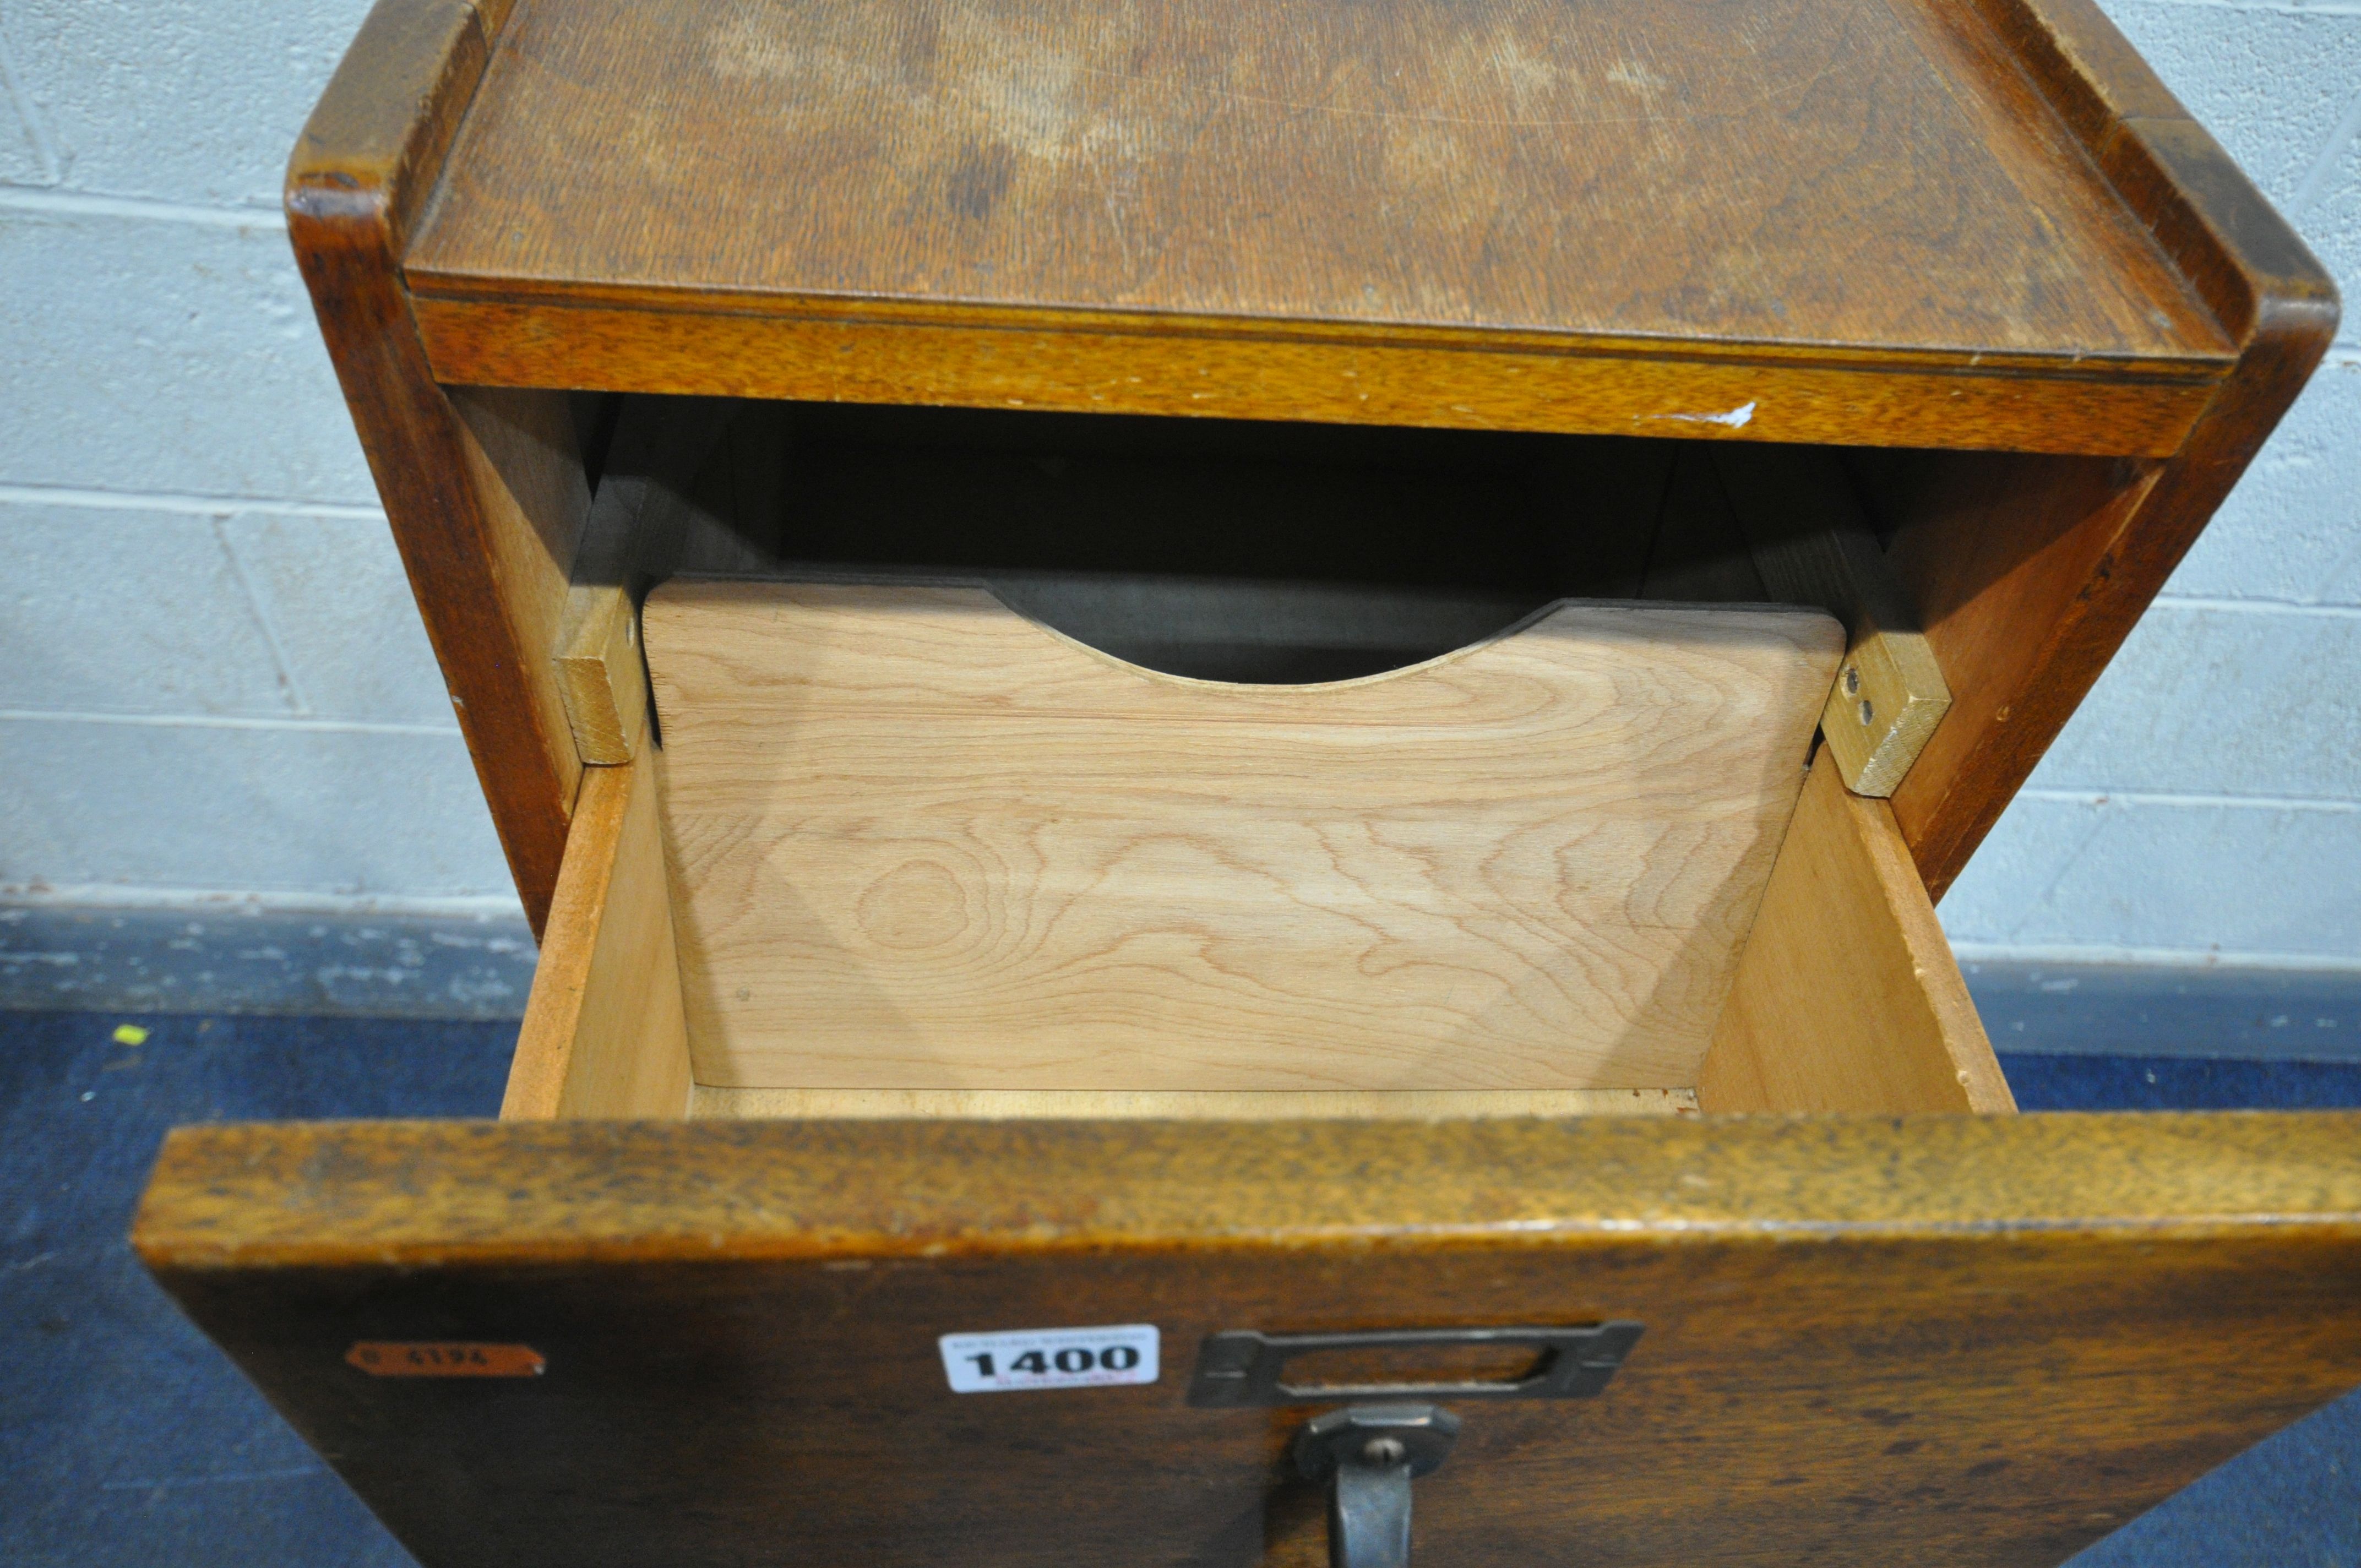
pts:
pixel 1263 632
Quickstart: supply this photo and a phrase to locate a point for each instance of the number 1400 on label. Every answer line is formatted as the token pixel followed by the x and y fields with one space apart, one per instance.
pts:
pixel 1050 1358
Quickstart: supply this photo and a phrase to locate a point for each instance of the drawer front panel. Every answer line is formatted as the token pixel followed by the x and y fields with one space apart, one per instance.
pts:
pixel 1967 1339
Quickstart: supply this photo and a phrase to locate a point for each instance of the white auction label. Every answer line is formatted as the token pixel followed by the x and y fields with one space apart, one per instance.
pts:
pixel 1050 1358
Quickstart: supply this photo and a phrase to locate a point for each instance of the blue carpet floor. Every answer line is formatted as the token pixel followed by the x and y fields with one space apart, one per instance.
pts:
pixel 2178 1083
pixel 126 1440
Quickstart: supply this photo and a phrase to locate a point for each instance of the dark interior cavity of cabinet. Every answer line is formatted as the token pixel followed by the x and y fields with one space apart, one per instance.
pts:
pixel 1268 552
pixel 1221 548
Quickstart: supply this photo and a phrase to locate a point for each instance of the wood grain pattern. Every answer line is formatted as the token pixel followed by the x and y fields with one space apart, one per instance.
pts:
pixel 603 1033
pixel 1195 1105
pixel 1466 380
pixel 1862 177
pixel 484 494
pixel 1847 998
pixel 920 842
pixel 1973 1341
pixel 1812 545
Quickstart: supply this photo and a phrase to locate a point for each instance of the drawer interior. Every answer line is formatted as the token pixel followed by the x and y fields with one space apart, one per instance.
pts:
pixel 834 582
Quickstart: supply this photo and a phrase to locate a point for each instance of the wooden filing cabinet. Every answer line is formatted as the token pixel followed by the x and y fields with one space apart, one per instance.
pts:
pixel 1150 668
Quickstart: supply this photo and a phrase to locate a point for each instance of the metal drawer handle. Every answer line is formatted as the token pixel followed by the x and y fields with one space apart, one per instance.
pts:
pixel 1369 1454
pixel 1246 1367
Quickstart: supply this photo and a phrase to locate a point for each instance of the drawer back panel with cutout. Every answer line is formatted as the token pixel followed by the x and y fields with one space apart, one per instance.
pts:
pixel 919 841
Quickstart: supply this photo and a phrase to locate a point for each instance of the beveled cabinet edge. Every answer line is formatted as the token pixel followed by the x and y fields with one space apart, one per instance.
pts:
pixel 373 146
pixel 321 1195
pixel 2280 305
pixel 2238 255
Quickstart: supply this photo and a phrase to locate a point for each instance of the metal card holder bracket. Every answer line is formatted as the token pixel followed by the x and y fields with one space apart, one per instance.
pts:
pixel 1246 1367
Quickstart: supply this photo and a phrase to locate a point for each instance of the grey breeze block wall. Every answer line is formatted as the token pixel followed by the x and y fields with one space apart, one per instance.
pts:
pixel 212 684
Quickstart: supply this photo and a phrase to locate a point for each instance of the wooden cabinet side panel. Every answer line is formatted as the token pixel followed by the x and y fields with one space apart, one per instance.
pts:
pixel 2003 557
pixel 1847 999
pixel 524 463
pixel 484 497
pixel 2087 546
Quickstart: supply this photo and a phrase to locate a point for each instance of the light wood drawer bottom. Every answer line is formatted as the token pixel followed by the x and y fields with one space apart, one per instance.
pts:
pixel 1844 998
pixel 1215 1105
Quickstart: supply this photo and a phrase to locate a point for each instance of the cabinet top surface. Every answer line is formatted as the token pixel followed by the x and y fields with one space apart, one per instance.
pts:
pixel 1850 175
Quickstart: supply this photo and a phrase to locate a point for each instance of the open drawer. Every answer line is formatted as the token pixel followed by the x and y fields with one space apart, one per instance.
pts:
pixel 1132 820
pixel 689 1299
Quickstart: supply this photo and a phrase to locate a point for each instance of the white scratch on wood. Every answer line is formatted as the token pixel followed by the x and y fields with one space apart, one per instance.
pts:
pixel 1736 419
